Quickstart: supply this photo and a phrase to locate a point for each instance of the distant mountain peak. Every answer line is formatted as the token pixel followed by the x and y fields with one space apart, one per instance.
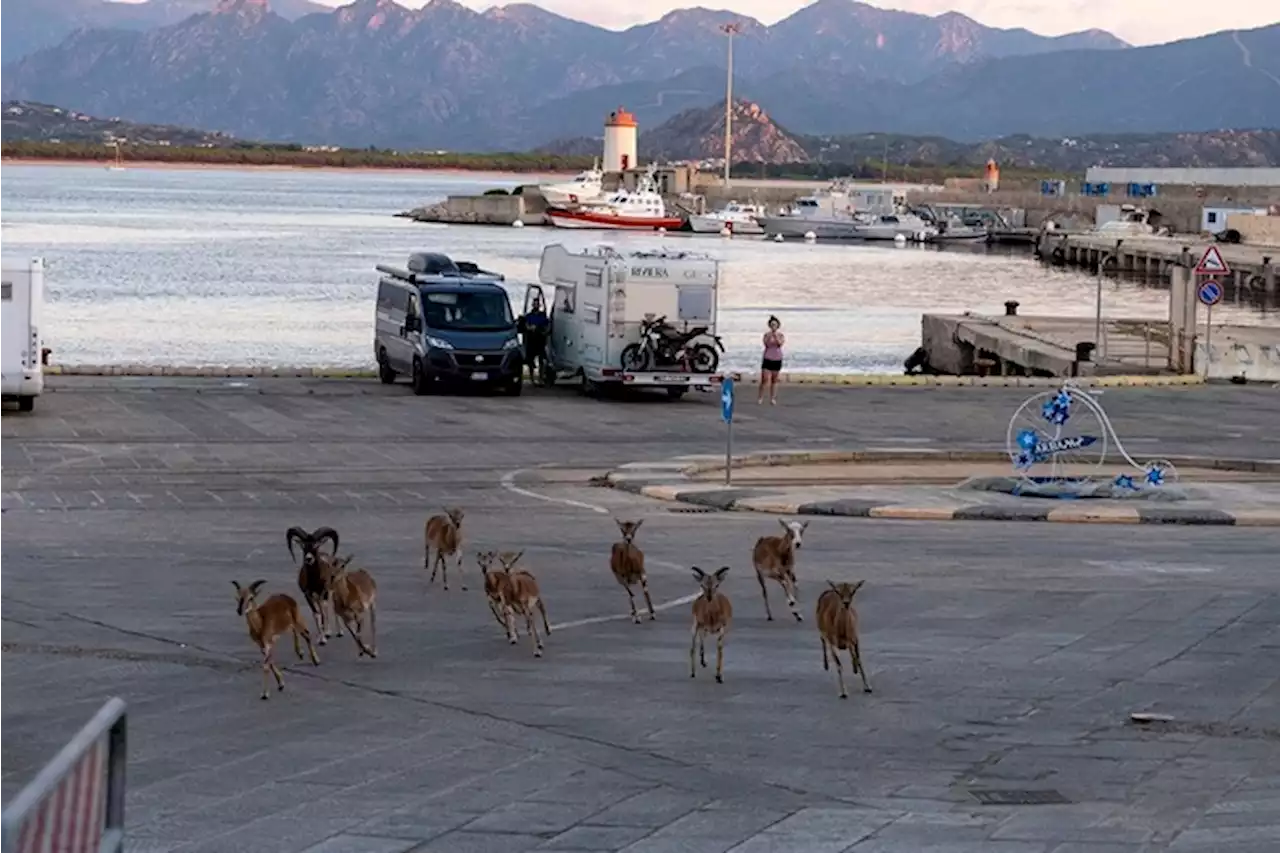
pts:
pixel 371 14
pixel 698 134
pixel 232 7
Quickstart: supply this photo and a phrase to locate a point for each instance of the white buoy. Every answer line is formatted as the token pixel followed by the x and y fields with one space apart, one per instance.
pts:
pixel 810 237
pixel 519 223
pixel 726 231
pixel 777 238
pixel 899 240
pixel 662 232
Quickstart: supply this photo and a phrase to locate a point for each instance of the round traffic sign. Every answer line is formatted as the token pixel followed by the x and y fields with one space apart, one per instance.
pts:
pixel 1209 292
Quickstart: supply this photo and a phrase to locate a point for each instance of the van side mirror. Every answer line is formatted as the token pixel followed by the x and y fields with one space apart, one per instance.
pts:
pixel 411 322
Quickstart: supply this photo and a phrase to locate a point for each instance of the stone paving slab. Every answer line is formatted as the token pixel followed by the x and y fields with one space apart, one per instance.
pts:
pixel 1001 660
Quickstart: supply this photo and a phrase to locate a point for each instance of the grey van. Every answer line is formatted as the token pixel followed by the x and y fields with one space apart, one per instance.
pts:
pixel 440 322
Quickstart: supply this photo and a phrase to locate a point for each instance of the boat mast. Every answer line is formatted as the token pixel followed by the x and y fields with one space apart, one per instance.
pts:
pixel 730 29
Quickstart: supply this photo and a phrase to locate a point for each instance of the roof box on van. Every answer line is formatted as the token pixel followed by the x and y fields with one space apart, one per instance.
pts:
pixel 439 267
pixel 432 263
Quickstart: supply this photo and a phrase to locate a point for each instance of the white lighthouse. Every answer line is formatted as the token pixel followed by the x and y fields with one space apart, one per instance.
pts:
pixel 620 142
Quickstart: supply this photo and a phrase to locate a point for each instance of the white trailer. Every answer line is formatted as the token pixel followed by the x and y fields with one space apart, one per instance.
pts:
pixel 597 299
pixel 22 297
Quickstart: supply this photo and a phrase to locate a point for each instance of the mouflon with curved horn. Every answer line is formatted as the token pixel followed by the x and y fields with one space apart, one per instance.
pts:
pixel 309 543
pixel 315 573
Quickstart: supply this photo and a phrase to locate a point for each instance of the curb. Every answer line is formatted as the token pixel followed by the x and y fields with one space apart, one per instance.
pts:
pixel 671 481
pixel 848 380
pixel 746 500
pixel 210 372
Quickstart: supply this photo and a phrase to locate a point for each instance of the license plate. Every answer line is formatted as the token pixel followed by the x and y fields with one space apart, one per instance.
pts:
pixel 479 377
pixel 670 378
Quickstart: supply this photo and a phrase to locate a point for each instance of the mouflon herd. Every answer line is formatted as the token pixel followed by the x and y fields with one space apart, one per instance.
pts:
pixel 338 595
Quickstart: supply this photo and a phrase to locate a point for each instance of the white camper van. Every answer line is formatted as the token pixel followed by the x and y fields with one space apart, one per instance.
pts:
pixel 23 297
pixel 601 300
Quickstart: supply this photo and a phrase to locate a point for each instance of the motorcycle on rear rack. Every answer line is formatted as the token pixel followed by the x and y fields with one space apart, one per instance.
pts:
pixel 662 345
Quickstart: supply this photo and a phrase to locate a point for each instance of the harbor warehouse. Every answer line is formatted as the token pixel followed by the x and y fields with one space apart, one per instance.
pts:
pixel 1186 177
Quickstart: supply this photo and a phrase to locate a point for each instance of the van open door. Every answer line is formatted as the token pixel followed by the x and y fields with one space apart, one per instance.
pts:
pixel 535 296
pixel 534 293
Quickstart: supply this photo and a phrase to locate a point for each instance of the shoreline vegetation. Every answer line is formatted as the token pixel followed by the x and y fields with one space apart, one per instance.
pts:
pixel 288 157
pixel 247 156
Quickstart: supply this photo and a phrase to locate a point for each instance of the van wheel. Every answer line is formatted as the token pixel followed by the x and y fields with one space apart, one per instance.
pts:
pixel 26 403
pixel 514 389
pixel 385 374
pixel 421 381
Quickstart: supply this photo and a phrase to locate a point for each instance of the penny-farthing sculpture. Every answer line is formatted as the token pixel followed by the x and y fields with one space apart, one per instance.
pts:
pixel 1062 437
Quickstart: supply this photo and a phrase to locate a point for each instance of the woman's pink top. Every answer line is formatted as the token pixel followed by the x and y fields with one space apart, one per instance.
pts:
pixel 773 342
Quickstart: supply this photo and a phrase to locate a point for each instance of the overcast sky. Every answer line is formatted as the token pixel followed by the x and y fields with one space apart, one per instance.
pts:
pixel 1135 21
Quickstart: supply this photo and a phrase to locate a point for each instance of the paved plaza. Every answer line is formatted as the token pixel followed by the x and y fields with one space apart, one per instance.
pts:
pixel 1006 658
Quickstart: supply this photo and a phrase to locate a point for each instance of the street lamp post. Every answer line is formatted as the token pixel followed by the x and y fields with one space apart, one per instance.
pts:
pixel 730 29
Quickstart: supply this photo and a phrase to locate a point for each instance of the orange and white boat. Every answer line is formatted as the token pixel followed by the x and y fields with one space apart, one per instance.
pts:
pixel 641 209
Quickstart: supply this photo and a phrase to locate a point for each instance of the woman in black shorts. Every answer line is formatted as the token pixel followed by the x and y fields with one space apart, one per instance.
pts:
pixel 771 363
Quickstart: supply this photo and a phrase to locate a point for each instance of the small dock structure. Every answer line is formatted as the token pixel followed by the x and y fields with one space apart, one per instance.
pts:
pixel 982 345
pixel 1253 267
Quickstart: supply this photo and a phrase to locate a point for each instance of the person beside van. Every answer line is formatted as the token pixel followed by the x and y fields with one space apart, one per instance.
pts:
pixel 534 327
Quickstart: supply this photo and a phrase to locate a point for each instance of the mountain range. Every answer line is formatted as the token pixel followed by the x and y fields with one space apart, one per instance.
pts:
pixel 44 130
pixel 513 77
pixel 698 135
pixel 29 25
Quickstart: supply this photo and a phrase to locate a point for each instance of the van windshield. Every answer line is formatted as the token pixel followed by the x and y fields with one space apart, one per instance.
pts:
pixel 475 311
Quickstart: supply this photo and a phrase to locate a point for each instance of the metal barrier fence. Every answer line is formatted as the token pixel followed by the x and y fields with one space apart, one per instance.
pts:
pixel 76 803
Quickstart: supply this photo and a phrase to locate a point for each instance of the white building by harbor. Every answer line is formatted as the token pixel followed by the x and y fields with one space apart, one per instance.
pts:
pixel 1213 218
pixel 1184 177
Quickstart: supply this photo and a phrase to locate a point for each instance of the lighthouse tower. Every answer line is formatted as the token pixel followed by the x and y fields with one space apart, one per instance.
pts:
pixel 619 142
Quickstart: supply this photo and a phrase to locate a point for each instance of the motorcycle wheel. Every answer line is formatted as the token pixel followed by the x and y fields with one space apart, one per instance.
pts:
pixel 635 358
pixel 703 358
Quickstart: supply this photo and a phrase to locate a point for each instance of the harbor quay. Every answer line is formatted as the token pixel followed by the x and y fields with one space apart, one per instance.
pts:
pixel 1253 268
pixel 1038 688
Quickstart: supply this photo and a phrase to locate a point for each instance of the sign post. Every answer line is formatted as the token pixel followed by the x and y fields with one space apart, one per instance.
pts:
pixel 726 413
pixel 1210 294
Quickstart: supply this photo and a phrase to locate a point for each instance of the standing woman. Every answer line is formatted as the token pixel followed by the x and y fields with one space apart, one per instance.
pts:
pixel 771 363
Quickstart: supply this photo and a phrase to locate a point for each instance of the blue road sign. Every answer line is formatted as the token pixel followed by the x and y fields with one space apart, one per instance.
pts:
pixel 726 399
pixel 1209 292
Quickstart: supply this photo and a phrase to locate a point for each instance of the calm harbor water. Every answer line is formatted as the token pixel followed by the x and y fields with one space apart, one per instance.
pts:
pixel 211 267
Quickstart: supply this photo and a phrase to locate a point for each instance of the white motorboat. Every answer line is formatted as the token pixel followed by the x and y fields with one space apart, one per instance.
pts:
pixel 890 226
pixel 954 230
pixel 641 209
pixel 828 215
pixel 1133 221
pixel 738 217
pixel 583 188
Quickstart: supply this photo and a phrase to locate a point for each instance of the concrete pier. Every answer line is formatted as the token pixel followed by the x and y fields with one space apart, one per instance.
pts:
pixel 1253 267
pixel 973 344
pixel 496 209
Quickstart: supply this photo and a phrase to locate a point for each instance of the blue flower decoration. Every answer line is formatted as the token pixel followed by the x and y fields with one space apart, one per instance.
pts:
pixel 1155 476
pixel 1027 439
pixel 1124 481
pixel 1058 410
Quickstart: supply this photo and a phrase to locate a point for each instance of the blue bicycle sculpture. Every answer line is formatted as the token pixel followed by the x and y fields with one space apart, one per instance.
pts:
pixel 1062 437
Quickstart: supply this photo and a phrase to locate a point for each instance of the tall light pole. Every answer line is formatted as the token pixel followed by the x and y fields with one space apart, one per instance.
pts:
pixel 730 29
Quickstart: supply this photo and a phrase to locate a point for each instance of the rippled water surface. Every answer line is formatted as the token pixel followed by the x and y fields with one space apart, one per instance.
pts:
pixel 192 266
